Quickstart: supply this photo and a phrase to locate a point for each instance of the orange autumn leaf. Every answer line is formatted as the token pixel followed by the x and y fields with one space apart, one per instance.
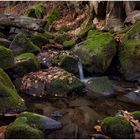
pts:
pixel 97 128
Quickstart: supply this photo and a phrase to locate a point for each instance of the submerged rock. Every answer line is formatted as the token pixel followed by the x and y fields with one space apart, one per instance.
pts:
pixel 117 128
pixel 6 58
pixel 100 86
pixel 10 101
pixel 131 97
pixel 21 44
pixel 129 54
pixel 51 82
pixel 25 63
pixel 97 51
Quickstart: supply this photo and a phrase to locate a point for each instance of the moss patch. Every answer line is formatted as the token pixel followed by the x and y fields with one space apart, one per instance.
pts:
pixel 6 58
pixel 26 63
pixel 10 101
pixel 69 44
pixel 136 115
pixel 117 127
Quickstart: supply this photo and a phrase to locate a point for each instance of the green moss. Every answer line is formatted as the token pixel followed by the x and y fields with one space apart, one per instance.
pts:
pixel 39 40
pixel 21 130
pixel 34 120
pixel 69 44
pixel 26 63
pixel 21 44
pixel 10 101
pixel 68 63
pixel 129 57
pixel 36 11
pixel 97 51
pixel 6 58
pixel 11 37
pixel 62 37
pixel 117 127
pixel 64 28
pixel 48 35
pixel 136 115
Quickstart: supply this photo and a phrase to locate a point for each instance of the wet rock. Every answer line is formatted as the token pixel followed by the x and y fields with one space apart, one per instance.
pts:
pixel 97 52
pixel 64 59
pixel 54 82
pixel 10 101
pixel 131 97
pixel 21 44
pixel 25 63
pixel 117 128
pixel 100 86
pixel 129 55
pixel 41 122
pixel 20 129
pixel 4 42
pixel 6 58
pixel 85 117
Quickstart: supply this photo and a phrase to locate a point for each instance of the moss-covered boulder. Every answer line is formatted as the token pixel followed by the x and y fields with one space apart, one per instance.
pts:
pixel 20 129
pixel 51 82
pixel 60 38
pixel 21 44
pixel 129 54
pixel 10 101
pixel 97 51
pixel 25 63
pixel 39 40
pixel 6 58
pixel 136 115
pixel 36 11
pixel 117 128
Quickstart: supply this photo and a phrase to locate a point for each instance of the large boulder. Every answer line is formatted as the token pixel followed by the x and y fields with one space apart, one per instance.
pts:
pixel 117 128
pixel 25 63
pixel 129 54
pixel 51 82
pixel 21 44
pixel 6 58
pixel 10 101
pixel 97 51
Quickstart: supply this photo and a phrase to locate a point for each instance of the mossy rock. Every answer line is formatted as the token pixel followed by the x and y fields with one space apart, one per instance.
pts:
pixel 36 11
pixel 2 35
pixel 10 101
pixel 129 54
pixel 69 44
pixel 60 38
pixel 48 35
pixel 6 58
pixel 64 28
pixel 25 63
pixel 21 44
pixel 136 115
pixel 40 122
pixel 51 82
pixel 11 37
pixel 39 40
pixel 67 62
pixel 20 129
pixel 97 51
pixel 117 128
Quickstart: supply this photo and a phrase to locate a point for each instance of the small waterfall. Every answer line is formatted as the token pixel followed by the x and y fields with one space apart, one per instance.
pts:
pixel 80 67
